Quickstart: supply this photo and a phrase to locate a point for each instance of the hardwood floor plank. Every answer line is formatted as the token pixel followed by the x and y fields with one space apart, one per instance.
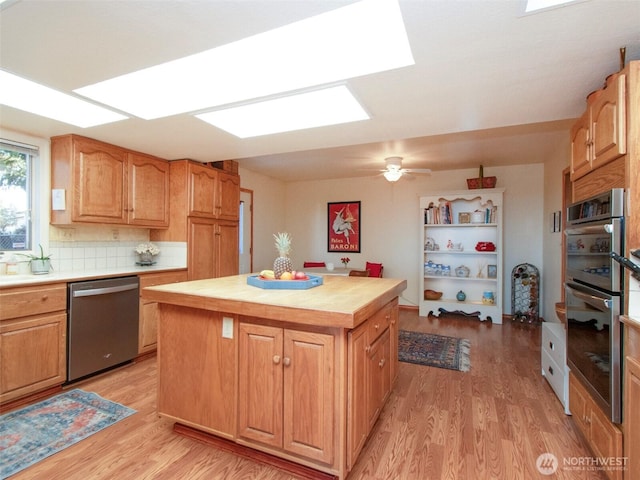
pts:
pixel 490 423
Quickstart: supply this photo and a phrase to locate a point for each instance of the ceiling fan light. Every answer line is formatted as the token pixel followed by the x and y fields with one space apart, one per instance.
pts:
pixel 392 175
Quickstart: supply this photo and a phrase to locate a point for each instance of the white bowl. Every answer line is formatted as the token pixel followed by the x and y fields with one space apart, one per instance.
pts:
pixel 330 266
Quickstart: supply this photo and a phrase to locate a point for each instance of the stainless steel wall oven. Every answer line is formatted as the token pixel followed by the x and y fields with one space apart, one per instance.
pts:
pixel 594 289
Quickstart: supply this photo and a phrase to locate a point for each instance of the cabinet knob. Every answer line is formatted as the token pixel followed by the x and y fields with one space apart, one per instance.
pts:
pixel 286 361
pixel 276 359
pixel 382 362
pixel 551 345
pixel 367 348
pixel 376 326
pixel 44 298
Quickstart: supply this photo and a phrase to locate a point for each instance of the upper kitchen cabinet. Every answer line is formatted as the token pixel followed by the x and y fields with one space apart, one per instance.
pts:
pixel 599 136
pixel 103 183
pixel 213 193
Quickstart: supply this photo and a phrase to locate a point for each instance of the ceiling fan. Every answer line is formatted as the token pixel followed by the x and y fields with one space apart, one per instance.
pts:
pixel 394 171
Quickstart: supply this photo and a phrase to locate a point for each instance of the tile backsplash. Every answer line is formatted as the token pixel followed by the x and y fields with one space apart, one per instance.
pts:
pixel 89 255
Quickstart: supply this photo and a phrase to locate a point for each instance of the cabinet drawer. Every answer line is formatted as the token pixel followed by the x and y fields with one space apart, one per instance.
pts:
pixel 379 322
pixel 556 376
pixel 26 301
pixel 554 342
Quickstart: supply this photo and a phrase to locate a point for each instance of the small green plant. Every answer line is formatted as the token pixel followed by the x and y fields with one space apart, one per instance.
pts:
pixel 31 256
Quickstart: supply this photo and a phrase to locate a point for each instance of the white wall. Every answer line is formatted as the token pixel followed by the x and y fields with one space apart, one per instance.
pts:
pixel 391 219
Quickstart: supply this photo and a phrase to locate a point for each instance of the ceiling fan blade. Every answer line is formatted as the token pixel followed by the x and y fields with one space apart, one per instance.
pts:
pixel 419 171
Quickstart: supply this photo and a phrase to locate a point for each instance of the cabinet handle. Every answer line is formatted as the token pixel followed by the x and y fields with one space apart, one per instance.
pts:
pixel 286 361
pixel 550 370
pixel 276 359
pixel 551 345
pixel 367 348
pixel 45 298
pixel 382 362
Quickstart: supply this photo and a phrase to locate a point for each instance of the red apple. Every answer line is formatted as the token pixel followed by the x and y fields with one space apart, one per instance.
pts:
pixel 300 275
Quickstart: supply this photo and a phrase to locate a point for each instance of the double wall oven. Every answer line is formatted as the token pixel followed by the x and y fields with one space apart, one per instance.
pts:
pixel 594 296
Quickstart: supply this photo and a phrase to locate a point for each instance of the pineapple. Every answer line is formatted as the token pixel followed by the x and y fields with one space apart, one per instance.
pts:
pixel 283 262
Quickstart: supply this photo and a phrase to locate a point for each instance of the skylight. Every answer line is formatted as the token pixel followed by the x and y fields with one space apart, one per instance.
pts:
pixel 355 40
pixel 32 97
pixel 535 5
pixel 329 106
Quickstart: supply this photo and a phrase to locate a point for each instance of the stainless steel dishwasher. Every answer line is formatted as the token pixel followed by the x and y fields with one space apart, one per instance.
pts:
pixel 103 325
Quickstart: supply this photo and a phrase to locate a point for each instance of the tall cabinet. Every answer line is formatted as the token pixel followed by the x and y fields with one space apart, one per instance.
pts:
pixel 205 204
pixel 461 253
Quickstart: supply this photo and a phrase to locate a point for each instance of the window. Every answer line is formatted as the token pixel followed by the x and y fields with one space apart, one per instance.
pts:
pixel 16 180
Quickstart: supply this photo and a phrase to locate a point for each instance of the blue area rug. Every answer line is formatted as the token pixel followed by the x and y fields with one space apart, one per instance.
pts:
pixel 434 350
pixel 35 432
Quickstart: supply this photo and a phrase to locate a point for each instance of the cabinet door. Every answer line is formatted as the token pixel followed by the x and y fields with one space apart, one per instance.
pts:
pixel 202 191
pixel 228 202
pixel 148 191
pixel 580 147
pixel 260 383
pixel 393 341
pixel 631 414
pixel 32 355
pixel 201 249
pixel 608 126
pixel 358 391
pixel 379 378
pixel 100 179
pixel 578 404
pixel 226 249
pixel 308 394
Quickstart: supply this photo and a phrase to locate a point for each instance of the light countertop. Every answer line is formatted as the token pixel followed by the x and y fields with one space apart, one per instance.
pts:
pixel 7 281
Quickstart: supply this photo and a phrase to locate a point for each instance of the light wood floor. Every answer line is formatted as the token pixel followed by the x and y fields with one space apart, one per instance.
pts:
pixel 490 423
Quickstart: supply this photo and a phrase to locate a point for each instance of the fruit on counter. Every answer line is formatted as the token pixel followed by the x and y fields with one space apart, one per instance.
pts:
pixel 286 276
pixel 283 262
pixel 268 274
pixel 300 276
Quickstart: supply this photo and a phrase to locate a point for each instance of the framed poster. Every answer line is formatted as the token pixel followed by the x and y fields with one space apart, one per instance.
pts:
pixel 343 227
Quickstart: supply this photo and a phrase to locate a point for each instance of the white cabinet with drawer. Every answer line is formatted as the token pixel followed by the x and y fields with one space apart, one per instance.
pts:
pixel 554 361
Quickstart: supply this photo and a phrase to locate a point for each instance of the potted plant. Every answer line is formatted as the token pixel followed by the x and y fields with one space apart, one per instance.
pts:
pixel 40 264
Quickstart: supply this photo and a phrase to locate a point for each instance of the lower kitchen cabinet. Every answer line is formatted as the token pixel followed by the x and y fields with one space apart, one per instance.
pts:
pixel 148 329
pixel 631 401
pixel 286 390
pixel 604 438
pixel 33 341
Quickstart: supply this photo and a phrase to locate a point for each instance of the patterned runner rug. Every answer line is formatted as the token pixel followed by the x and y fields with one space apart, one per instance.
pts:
pixel 434 350
pixel 35 432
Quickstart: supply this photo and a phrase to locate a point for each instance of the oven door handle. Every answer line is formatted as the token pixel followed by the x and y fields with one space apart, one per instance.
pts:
pixel 586 229
pixel 602 304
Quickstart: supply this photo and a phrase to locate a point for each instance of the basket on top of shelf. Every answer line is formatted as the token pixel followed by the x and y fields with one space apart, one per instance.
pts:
pixel 481 181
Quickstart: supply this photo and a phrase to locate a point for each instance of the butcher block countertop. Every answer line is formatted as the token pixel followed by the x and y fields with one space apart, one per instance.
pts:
pixel 342 302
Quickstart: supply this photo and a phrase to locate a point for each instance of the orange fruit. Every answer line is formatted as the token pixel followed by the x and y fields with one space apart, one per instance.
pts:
pixel 286 276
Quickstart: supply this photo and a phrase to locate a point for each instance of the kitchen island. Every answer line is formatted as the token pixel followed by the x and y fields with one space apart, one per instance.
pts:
pixel 299 375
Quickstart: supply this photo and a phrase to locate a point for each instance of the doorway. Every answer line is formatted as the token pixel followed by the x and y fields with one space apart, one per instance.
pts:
pixel 246 232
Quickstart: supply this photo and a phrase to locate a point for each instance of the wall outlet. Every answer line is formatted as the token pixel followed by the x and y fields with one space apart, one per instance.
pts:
pixel 227 327
pixel 115 234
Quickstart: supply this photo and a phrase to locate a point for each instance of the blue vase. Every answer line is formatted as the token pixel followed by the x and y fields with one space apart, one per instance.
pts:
pixel 461 296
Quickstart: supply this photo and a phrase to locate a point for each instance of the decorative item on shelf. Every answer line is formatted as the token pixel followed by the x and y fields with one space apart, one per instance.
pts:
pixel 485 247
pixel 488 298
pixel 454 247
pixel 462 271
pixel 464 217
pixel 282 263
pixel 481 266
pixel 481 181
pixel 492 271
pixel 432 295
pixel 430 245
pixel 40 264
pixel 477 216
pixel 146 252
pixel 345 261
pixel 461 296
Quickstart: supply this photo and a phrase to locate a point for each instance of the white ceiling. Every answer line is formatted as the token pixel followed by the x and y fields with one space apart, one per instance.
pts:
pixel 490 85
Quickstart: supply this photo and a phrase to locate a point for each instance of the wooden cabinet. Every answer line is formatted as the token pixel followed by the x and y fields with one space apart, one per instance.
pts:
pixel 148 329
pixel 599 136
pixel 33 326
pixel 197 378
pixel 286 390
pixel 212 248
pixel 205 206
pixel 104 183
pixel 631 400
pixel 604 438
pixel 372 369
